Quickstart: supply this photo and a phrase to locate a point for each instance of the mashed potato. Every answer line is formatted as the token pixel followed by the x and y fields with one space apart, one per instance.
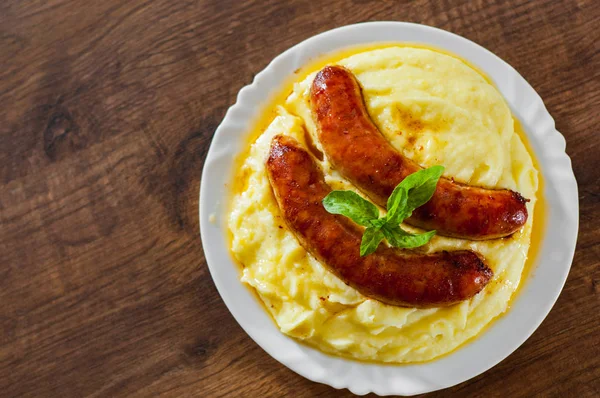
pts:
pixel 435 109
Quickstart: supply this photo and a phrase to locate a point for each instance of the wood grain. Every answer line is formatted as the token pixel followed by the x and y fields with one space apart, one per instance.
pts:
pixel 107 109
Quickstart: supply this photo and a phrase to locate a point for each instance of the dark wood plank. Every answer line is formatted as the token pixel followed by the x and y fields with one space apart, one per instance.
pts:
pixel 107 109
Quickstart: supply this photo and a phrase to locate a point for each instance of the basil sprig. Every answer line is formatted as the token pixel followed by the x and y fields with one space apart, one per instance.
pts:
pixel 414 191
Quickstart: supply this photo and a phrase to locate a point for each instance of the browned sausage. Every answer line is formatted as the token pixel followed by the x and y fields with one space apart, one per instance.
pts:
pixel 389 275
pixel 357 149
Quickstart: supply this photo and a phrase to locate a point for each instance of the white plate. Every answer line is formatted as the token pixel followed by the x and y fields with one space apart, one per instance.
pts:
pixel 507 333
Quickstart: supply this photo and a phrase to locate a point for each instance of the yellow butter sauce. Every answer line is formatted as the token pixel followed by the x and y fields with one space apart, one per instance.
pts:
pixel 538 226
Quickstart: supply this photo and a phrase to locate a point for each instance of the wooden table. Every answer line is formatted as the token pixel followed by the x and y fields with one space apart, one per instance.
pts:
pixel 107 109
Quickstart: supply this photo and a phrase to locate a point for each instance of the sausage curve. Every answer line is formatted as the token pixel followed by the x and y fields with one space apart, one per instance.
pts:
pixel 358 150
pixel 389 275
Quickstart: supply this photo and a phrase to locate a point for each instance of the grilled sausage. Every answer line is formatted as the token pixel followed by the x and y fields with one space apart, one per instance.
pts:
pixel 389 275
pixel 354 145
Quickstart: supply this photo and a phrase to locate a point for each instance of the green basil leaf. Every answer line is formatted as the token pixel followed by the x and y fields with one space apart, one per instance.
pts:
pixel 414 191
pixel 398 237
pixel 396 205
pixel 370 241
pixel 377 223
pixel 351 205
pixel 420 187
